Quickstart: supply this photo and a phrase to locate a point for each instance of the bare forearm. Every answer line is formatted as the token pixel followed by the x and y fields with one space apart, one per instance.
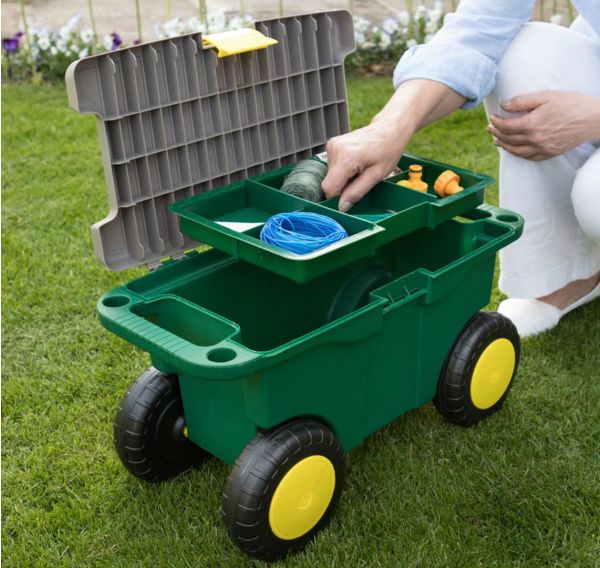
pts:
pixel 595 118
pixel 417 103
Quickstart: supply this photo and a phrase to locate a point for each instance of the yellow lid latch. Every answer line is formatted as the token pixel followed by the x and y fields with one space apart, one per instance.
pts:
pixel 237 41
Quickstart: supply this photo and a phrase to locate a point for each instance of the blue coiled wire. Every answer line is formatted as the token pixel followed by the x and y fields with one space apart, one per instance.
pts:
pixel 301 232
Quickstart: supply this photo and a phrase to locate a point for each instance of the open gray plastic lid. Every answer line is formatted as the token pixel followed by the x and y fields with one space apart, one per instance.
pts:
pixel 174 120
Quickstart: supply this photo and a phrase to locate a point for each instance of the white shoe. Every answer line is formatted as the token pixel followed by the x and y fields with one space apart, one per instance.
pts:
pixel 533 316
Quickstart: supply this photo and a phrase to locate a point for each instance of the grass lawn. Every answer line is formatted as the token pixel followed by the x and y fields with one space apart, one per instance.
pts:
pixel 521 488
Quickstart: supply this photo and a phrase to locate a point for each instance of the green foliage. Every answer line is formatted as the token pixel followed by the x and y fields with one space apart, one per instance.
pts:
pixel 519 489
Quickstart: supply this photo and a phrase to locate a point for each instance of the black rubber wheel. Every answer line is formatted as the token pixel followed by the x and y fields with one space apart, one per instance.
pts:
pixel 355 292
pixel 479 369
pixel 283 489
pixel 149 429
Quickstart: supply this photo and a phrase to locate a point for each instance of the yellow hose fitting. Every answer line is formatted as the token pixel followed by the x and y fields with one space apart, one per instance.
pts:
pixel 447 183
pixel 414 181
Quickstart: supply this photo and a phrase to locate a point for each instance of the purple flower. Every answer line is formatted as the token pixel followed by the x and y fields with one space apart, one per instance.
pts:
pixel 116 40
pixel 10 44
pixel 136 42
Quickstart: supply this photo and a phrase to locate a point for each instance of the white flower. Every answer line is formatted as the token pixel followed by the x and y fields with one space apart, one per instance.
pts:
pixel 216 21
pixel 439 6
pixel 360 38
pixel 170 28
pixel 428 38
pixel 236 23
pixel 53 50
pixel 158 31
pixel 411 43
pixel 385 41
pixel 87 35
pixel 107 42
pixel 61 45
pixel 403 18
pixel 43 43
pixel 431 26
pixel 65 33
pixel 361 24
pixel 73 21
pixel 556 19
pixel 435 15
pixel 194 25
pixel 42 32
pixel 420 12
pixel 83 53
pixel 390 26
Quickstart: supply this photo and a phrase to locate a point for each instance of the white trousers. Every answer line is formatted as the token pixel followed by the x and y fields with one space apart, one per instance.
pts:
pixel 559 198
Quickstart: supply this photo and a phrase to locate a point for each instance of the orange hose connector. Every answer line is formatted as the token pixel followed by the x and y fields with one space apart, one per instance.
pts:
pixel 447 183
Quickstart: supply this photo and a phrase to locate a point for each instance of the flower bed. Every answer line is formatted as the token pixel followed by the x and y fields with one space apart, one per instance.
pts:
pixel 53 51
pixel 378 46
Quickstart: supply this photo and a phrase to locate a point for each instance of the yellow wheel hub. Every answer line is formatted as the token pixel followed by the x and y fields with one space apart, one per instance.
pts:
pixel 302 497
pixel 492 373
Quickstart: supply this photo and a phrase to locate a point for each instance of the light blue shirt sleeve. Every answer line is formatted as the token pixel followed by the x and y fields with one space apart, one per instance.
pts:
pixel 465 53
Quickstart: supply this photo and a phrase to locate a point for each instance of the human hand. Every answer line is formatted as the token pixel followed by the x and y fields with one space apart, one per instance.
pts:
pixel 555 122
pixel 358 160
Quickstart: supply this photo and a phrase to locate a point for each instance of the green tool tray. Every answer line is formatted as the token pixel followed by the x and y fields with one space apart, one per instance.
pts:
pixel 401 210
pixel 231 218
